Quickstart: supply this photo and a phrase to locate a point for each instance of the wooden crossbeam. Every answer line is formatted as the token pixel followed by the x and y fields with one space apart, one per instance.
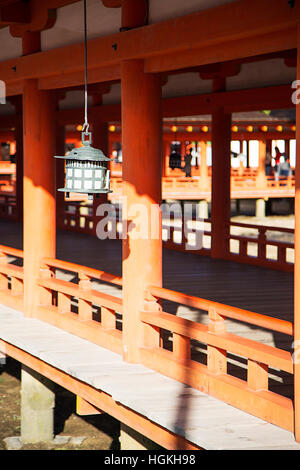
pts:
pixel 207 36
pixel 275 97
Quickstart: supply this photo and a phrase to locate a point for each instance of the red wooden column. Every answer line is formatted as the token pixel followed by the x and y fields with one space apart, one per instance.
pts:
pixel 297 267
pixel 39 186
pixel 248 153
pixel 203 166
pixel 261 174
pixel 220 188
pixel 19 161
pixel 31 42
pixel 142 162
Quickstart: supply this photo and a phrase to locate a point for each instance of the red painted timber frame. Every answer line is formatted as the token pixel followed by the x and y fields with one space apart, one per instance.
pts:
pixel 172 44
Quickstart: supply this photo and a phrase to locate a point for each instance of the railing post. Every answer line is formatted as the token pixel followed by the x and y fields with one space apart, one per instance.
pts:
pixel 243 247
pixel 108 318
pixel 261 241
pixel 281 254
pixel 181 347
pixel 46 295
pixel 16 286
pixel 216 357
pixel 84 306
pixel 257 375
pixel 63 302
pixel 151 334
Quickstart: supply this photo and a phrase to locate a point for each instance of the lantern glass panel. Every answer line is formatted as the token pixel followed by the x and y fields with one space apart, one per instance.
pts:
pixel 88 184
pixel 88 173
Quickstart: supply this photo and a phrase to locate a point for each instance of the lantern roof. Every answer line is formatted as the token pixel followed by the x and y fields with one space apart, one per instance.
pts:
pixel 86 153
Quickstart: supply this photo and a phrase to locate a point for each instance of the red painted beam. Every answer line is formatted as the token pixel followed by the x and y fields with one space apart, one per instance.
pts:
pixel 212 35
pixel 278 97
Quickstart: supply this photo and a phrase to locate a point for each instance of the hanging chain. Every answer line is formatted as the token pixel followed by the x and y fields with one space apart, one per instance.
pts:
pixel 86 125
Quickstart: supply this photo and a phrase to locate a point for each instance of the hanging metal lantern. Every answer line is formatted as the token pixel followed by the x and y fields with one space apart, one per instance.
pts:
pixel 86 167
pixel 86 170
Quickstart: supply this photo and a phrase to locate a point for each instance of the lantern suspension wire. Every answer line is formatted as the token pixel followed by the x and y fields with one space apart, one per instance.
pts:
pixel 86 124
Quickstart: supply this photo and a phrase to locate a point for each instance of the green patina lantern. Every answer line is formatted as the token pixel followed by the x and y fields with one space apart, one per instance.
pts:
pixel 86 170
pixel 86 167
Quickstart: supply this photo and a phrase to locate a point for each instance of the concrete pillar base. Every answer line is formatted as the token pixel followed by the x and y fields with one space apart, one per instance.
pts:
pixel 260 210
pixel 37 407
pixel 203 209
pixel 132 440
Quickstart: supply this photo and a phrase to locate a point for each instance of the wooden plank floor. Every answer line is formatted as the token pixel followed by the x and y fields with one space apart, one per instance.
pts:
pixel 253 288
pixel 203 420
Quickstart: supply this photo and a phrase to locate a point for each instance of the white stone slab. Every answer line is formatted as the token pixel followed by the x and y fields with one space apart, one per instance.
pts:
pixel 202 419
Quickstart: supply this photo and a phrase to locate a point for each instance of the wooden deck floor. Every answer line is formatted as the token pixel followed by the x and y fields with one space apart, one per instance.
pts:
pixel 258 289
pixel 201 419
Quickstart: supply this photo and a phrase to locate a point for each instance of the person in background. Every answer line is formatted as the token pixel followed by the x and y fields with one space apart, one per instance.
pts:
pixel 188 166
pixel 277 159
pixel 268 164
pixel 284 168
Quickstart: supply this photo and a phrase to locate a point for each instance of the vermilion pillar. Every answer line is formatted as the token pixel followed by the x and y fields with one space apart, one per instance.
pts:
pixel 31 42
pixel 142 162
pixel 39 186
pixel 203 166
pixel 220 190
pixel 19 162
pixel 261 174
pixel 297 267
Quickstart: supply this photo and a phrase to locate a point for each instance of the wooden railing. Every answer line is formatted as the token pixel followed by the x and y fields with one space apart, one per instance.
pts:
pixel 77 216
pixel 8 208
pixel 186 235
pixel 200 352
pixel 243 185
pixel 11 277
pixel 77 307
pixel 261 249
pixel 210 374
